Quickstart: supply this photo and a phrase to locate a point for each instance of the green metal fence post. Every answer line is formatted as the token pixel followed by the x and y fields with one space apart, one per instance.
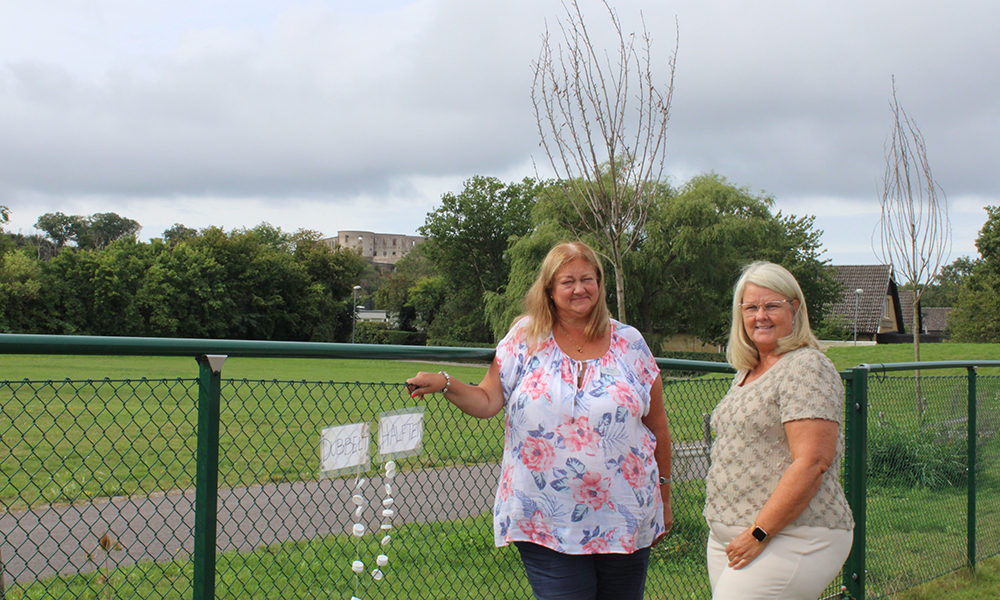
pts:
pixel 856 449
pixel 207 476
pixel 973 409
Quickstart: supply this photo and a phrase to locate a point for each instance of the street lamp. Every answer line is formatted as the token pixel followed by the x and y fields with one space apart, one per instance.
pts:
pixel 354 311
pixel 857 296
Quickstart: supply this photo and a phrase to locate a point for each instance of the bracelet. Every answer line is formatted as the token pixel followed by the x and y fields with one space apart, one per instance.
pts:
pixel 447 381
pixel 665 480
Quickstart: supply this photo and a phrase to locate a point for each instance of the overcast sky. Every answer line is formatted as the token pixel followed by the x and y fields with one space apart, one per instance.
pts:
pixel 338 114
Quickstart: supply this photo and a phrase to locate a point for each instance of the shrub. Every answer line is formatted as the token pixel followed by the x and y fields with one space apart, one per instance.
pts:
pixel 379 333
pixel 834 327
pixel 916 458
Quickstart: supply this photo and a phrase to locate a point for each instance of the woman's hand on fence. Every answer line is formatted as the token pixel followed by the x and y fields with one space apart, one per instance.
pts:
pixel 482 401
pixel 425 383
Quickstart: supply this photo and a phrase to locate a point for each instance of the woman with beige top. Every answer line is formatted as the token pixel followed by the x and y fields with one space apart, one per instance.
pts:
pixel 779 523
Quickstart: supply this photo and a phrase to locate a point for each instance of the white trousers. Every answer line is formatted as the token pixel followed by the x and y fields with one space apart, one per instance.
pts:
pixel 798 563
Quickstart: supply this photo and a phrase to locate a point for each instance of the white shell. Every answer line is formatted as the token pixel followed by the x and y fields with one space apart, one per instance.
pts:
pixel 386 540
pixel 377 574
pixel 388 513
pixel 359 529
pixel 358 566
pixel 381 560
pixel 388 502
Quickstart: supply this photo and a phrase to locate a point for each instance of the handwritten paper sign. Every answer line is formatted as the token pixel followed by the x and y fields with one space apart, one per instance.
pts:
pixel 401 433
pixel 344 447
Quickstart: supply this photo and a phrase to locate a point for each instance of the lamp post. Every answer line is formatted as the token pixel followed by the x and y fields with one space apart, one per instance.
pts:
pixel 354 311
pixel 857 297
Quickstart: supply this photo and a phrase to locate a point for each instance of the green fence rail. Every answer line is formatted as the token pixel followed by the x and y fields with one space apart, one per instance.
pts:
pixel 207 487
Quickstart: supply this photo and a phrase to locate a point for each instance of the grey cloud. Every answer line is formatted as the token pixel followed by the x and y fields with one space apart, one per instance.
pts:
pixel 313 100
pixel 232 112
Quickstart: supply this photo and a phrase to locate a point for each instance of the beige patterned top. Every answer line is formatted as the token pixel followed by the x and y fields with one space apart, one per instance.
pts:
pixel 751 453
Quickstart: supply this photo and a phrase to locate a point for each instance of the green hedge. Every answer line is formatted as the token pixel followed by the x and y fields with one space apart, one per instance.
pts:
pixel 371 332
pixel 458 343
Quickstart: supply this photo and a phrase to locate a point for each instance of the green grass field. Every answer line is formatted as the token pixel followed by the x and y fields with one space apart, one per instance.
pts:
pixel 845 357
pixel 122 426
pixel 109 432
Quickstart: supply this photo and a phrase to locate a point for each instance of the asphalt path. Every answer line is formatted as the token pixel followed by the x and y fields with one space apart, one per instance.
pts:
pixel 66 540
pixel 56 540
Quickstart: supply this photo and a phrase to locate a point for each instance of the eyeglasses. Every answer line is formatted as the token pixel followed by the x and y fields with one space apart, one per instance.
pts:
pixel 770 308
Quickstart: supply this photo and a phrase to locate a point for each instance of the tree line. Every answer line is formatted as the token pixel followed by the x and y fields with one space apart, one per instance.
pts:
pixel 484 245
pixel 462 286
pixel 259 283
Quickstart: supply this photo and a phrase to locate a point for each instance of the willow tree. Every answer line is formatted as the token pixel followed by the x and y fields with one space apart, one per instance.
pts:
pixel 603 124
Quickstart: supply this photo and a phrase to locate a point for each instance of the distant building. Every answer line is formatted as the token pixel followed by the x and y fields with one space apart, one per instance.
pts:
pixel 869 301
pixel 380 248
pixel 883 312
pixel 933 321
pixel 365 315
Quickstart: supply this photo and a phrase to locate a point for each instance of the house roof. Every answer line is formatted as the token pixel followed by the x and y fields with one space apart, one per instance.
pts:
pixel 875 281
pixel 933 318
pixel 906 304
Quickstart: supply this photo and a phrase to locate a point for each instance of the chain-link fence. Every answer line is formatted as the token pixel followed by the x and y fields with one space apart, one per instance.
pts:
pixel 102 480
pixel 928 513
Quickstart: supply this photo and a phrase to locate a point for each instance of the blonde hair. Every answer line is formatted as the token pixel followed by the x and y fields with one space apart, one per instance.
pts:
pixel 538 303
pixel 741 352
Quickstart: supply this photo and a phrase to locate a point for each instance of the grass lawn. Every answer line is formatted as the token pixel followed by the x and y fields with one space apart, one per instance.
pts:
pixel 42 368
pixel 983 584
pixel 845 357
pixel 108 431
pixel 120 426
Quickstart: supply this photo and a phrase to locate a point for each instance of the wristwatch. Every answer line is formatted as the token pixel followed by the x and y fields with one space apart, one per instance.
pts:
pixel 664 480
pixel 758 534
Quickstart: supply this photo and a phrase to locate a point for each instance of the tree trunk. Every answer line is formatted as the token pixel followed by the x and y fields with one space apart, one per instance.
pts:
pixel 620 291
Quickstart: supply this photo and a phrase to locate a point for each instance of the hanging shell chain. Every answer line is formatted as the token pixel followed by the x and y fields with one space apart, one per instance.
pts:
pixel 388 512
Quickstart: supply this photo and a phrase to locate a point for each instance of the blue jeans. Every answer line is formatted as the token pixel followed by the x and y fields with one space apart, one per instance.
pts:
pixel 557 576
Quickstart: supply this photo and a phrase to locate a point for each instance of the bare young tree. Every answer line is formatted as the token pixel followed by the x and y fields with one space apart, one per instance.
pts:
pixel 914 226
pixel 603 125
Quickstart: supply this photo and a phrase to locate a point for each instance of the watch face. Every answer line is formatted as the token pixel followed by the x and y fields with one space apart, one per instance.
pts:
pixel 759 534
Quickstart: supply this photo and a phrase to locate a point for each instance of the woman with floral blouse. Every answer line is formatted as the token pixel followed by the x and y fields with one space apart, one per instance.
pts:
pixel 584 490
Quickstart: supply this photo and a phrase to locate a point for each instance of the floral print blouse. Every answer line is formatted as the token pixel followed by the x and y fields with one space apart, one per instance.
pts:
pixel 578 472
